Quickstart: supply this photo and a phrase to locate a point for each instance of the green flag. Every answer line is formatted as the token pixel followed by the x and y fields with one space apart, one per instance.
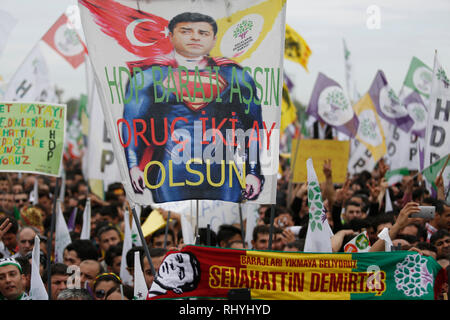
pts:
pixel 430 173
pixel 419 77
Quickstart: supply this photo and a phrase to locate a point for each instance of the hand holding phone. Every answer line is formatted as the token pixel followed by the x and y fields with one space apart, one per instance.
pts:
pixel 426 212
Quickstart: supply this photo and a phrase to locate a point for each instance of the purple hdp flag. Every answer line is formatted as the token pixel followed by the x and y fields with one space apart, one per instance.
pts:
pixel 71 222
pixel 330 104
pixel 418 111
pixel 388 104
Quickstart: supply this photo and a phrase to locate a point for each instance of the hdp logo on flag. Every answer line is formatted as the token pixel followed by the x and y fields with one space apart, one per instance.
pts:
pixel 419 77
pixel 66 41
pixel 388 104
pixel 330 104
pixel 359 243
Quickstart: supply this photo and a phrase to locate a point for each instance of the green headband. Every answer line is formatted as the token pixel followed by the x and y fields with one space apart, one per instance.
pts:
pixel 10 261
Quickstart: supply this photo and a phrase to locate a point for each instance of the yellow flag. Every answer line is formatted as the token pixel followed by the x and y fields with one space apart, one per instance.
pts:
pixel 96 186
pixel 296 49
pixel 370 131
pixel 155 221
pixel 268 10
pixel 288 110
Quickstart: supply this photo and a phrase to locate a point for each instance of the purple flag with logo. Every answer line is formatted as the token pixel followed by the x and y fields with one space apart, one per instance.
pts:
pixel 388 104
pixel 330 104
pixel 418 111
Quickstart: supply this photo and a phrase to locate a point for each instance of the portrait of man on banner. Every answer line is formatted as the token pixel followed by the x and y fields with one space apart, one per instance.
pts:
pixel 179 272
pixel 195 130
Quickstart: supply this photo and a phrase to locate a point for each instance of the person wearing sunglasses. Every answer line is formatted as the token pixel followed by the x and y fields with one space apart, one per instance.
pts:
pixel 20 200
pixel 105 282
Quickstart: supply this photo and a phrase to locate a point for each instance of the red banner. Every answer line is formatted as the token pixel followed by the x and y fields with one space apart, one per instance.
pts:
pixel 208 272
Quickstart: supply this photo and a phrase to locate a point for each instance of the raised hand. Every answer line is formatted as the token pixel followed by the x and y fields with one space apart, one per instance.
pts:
pixel 4 227
pixel 327 169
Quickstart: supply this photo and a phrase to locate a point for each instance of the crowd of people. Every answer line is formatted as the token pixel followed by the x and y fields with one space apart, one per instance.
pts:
pixel 353 207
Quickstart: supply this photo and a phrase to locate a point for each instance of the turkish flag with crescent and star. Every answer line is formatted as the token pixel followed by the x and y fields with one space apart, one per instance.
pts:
pixel 65 40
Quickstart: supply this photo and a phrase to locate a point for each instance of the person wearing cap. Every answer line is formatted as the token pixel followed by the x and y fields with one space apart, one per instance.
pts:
pixel 12 280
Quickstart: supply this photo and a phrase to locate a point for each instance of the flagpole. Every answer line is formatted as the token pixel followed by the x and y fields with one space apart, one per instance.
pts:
pixel 272 217
pixel 242 225
pixel 291 175
pixel 166 230
pixel 208 234
pixel 144 243
pixel 196 224
pixel 49 242
pixel 445 165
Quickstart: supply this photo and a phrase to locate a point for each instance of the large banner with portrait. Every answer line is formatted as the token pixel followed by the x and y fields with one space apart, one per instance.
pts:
pixel 191 93
pixel 202 272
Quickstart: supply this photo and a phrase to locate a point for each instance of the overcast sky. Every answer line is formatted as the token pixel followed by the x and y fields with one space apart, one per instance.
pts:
pixel 407 28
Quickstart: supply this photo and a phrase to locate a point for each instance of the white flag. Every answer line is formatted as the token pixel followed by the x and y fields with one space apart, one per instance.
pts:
pixel 384 235
pixel 34 194
pixel 86 229
pixel 140 287
pixel 186 229
pixel 37 288
pixel 318 236
pixel 7 24
pixel 127 245
pixel 62 235
pixel 388 203
pixel 100 158
pixel 31 82
pixel 360 243
pixel 349 76
pixel 437 137
pixel 360 158
pixel 62 191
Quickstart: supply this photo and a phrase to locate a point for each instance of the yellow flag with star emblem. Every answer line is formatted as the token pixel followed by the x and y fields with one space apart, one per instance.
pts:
pixel 296 49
